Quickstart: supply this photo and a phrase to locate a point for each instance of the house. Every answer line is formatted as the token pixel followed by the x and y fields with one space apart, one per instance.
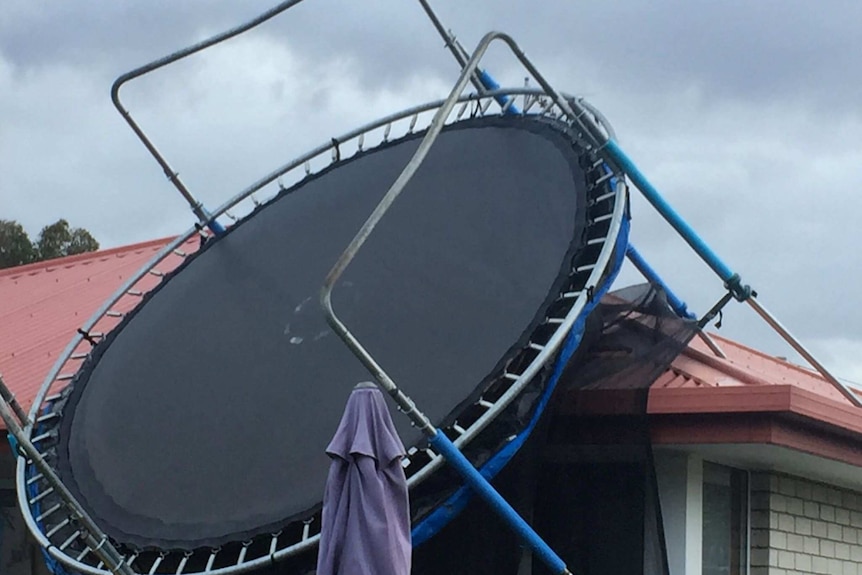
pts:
pixel 750 464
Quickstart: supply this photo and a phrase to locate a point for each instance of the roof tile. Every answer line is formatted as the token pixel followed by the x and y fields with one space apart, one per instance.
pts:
pixel 43 304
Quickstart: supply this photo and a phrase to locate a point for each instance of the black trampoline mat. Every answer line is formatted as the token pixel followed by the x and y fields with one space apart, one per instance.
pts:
pixel 204 417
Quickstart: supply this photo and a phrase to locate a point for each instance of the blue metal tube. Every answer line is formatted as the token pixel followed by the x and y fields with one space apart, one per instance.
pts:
pixel 480 485
pixel 678 306
pixel 654 197
pixel 491 84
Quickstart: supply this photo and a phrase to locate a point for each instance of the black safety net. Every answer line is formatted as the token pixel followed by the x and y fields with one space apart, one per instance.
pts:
pixel 585 481
pixel 203 418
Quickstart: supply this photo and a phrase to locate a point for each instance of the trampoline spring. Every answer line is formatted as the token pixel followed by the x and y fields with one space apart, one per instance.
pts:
pixel 597 163
pixel 156 563
pixel 243 552
pixel 52 398
pixel 68 541
pixel 135 292
pixel 511 376
pixel 254 199
pixel 211 559
pixel 47 417
pixel 112 313
pixel 159 274
pixel 179 252
pixel 430 453
pixel 460 430
pixel 273 543
pixel 306 529
pixel 585 268
pixel 78 356
pixel 64 377
pixel 41 437
pixel 555 320
pixel 505 108
pixel 535 346
pixel 360 142
pixel 595 241
pixel 42 516
pixel 35 478
pixel 232 217
pixel 82 554
pixel 132 559
pixel 602 180
pixel 307 167
pixel 485 403
pixel 182 566
pixel 528 102
pixel 386 131
pixel 462 110
pixel 412 123
pixel 485 105
pixel 41 496
pixel 570 295
pixel 53 531
pixel 601 198
pixel 601 219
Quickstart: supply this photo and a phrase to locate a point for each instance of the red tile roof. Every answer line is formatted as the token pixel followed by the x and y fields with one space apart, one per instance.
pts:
pixel 43 304
pixel 698 367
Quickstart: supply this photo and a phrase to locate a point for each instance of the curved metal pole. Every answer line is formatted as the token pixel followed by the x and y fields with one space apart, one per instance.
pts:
pixel 94 537
pixel 437 439
pixel 198 208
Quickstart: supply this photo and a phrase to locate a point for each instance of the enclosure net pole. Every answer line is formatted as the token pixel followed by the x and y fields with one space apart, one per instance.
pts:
pixel 91 534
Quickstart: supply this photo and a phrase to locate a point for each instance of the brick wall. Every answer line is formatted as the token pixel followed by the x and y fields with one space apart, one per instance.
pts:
pixel 798 526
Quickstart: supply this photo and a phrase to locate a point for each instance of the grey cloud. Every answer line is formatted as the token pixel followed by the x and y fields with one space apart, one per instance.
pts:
pixel 795 51
pixel 744 114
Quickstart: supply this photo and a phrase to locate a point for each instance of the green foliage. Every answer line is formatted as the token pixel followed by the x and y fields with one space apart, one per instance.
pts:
pixel 55 241
pixel 16 249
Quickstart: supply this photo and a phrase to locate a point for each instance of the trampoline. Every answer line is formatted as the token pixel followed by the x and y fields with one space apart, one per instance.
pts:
pixel 193 430
pixel 183 429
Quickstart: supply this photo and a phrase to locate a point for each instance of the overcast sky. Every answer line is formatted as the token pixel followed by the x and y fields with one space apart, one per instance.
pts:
pixel 746 115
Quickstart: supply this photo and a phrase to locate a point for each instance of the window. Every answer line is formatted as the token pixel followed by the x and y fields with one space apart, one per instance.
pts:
pixel 725 520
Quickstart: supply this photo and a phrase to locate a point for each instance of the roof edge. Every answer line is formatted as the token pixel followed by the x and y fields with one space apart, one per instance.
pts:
pixel 77 258
pixel 787 399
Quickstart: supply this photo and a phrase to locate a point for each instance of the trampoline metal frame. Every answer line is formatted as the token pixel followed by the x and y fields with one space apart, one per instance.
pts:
pixel 546 105
pixel 437 438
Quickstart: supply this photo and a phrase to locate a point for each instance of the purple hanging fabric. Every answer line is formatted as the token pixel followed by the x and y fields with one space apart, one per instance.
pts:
pixel 366 516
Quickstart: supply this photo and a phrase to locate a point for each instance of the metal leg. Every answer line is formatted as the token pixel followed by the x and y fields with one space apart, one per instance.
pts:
pixel 94 537
pixel 678 306
pixel 614 154
pixel 797 345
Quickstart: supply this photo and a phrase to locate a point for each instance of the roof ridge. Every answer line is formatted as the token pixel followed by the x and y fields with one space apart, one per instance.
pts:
pixel 726 366
pixel 78 258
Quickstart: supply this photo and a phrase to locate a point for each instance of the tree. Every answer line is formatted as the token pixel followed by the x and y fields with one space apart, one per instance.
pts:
pixel 58 240
pixel 55 241
pixel 16 249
